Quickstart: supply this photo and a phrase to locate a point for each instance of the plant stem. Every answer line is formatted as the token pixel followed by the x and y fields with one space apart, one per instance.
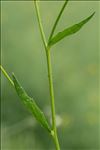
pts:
pixel 6 75
pixel 52 99
pixel 40 25
pixel 57 20
pixel 54 130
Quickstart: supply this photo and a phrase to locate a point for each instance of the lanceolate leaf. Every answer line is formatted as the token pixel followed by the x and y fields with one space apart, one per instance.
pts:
pixel 58 18
pixel 69 31
pixel 31 104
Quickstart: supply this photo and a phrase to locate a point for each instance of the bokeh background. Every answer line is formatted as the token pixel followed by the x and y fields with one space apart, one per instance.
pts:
pixel 75 62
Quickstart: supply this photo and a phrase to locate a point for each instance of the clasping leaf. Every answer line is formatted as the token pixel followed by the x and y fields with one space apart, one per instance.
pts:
pixel 69 31
pixel 31 105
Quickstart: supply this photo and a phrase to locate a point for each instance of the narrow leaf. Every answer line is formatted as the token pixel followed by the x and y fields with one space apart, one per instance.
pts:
pixel 58 18
pixel 31 104
pixel 69 31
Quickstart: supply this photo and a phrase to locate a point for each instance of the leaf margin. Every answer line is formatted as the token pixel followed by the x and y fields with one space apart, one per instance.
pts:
pixel 30 104
pixel 68 31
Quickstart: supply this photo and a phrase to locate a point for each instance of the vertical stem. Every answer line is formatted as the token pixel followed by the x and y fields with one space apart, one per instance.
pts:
pixel 54 130
pixel 52 99
pixel 40 25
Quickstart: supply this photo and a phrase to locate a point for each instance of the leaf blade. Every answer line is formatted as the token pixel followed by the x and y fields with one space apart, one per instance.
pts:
pixel 31 104
pixel 57 19
pixel 69 31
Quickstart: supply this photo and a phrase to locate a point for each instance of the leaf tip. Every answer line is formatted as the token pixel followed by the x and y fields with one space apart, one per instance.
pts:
pixel 13 75
pixel 93 14
pixel 14 79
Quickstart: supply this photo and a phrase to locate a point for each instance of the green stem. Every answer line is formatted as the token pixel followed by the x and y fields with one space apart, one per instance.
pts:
pixel 40 25
pixel 6 75
pixel 54 130
pixel 57 20
pixel 52 99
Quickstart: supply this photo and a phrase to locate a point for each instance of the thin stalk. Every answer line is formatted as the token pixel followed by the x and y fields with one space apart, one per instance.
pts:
pixel 57 20
pixel 40 25
pixel 6 75
pixel 54 130
pixel 52 99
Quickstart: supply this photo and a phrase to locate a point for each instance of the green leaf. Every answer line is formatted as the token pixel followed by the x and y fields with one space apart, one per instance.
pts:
pixel 58 18
pixel 31 104
pixel 69 31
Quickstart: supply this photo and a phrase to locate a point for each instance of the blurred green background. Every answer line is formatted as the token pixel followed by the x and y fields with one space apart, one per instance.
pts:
pixel 75 62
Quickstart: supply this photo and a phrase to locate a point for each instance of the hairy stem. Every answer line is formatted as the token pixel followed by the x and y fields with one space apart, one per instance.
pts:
pixel 6 75
pixel 54 130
